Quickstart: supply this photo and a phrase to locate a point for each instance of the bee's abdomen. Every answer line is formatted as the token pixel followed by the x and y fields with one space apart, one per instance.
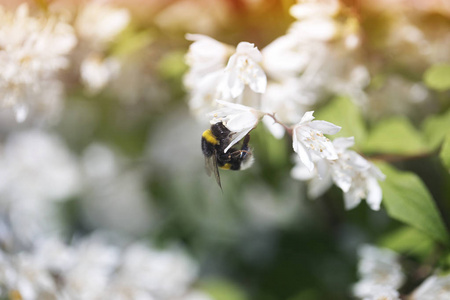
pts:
pixel 209 142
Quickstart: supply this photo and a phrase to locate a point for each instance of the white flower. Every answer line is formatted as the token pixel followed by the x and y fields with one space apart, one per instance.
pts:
pixel 195 295
pixel 205 56
pixel 95 261
pixel 433 288
pixel 239 119
pixel 36 170
pixel 37 166
pixel 96 71
pixel 99 23
pixel 353 174
pixel 243 69
pixel 319 179
pixel 28 277
pixel 114 198
pixel 93 269
pixel 365 186
pixel 317 8
pixel 203 97
pixel 164 274
pixel 380 292
pixel 380 272
pixel 357 177
pixel 32 51
pixel 315 29
pixel 286 57
pixel 316 21
pixel 308 139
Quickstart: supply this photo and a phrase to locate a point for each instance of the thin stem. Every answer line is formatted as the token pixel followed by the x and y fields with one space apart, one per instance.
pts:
pixel 390 158
pixel 287 128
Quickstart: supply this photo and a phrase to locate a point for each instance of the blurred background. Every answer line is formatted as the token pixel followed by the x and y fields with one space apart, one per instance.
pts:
pixel 97 139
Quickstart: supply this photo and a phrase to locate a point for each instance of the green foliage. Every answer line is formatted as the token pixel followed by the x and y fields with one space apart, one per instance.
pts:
pixel 342 112
pixel 221 289
pixel 435 128
pixel 172 65
pixel 438 77
pixel 445 152
pixel 131 41
pixel 409 241
pixel 444 265
pixel 407 199
pixel 395 136
pixel 309 294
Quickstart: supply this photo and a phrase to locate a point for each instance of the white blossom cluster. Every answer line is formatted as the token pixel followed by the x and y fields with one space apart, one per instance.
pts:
pixel 37 174
pixel 289 75
pixel 381 277
pixel 32 51
pixel 114 196
pixel 279 85
pixel 434 287
pixel 353 174
pixel 91 268
pixel 97 25
pixel 380 274
pixel 36 47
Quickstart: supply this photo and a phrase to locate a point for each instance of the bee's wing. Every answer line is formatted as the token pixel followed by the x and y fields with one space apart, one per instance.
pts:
pixel 211 167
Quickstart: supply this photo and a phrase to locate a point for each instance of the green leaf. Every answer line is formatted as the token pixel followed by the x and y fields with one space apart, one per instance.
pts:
pixel 435 129
pixel 395 136
pixel 342 112
pixel 309 294
pixel 445 152
pixel 131 41
pixel 408 240
pixel 438 77
pixel 172 65
pixel 407 199
pixel 221 289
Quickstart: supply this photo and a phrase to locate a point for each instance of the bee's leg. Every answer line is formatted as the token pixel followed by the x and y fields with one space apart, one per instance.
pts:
pixel 246 141
pixel 238 154
pixel 233 153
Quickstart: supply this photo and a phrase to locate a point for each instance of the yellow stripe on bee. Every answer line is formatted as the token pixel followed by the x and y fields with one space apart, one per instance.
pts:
pixel 226 166
pixel 209 137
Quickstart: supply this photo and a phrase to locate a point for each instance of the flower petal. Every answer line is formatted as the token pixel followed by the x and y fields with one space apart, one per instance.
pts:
pixel 329 152
pixel 343 143
pixel 232 105
pixel 305 157
pixel 325 127
pixel 307 117
pixel 236 139
pixel 250 50
pixel 343 181
pixel 374 193
pixel 300 172
pixel 241 121
pixel 318 186
pixel 235 84
pixel 259 82
pixel 351 200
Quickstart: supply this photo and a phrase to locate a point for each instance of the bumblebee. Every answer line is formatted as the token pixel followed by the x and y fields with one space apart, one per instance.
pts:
pixel 214 142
